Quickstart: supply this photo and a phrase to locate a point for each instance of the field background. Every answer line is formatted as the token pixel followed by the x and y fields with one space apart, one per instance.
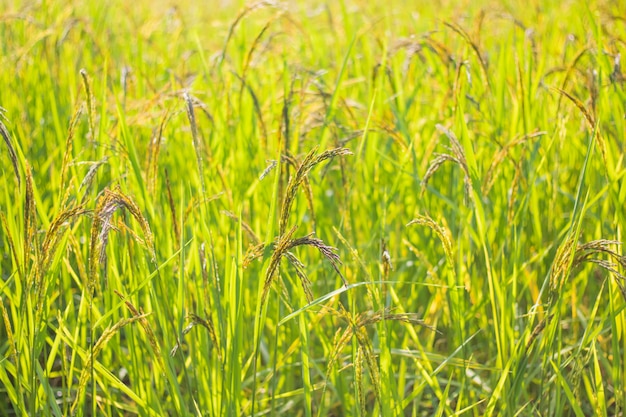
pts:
pixel 164 165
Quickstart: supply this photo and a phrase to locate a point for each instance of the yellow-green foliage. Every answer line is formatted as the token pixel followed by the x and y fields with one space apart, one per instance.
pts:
pixel 312 208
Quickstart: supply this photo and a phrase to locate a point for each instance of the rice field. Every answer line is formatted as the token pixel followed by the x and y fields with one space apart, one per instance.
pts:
pixel 351 208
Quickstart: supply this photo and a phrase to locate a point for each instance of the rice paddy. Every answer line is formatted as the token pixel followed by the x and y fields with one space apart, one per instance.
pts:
pixel 300 208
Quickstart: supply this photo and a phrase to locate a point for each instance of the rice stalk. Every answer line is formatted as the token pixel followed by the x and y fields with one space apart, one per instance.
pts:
pixel 197 104
pixel 616 75
pixel 4 132
pixel 245 226
pixel 440 50
pixel 107 335
pixel 12 351
pixel 328 252
pixel 393 133
pixel 456 86
pixel 285 120
pixel 571 68
pixel 281 246
pixel 355 255
pixel 74 246
pixel 569 257
pixel 537 330
pixel 413 48
pixel 257 250
pixel 257 107
pixel 386 261
pixel 586 251
pixel 253 46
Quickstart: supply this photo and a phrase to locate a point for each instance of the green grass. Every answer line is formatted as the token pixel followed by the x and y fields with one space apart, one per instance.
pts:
pixel 325 209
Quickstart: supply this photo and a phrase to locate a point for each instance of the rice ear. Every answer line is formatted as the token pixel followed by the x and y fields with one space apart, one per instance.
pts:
pixel 12 247
pixel 207 324
pixel 145 324
pixel 197 144
pixel 253 252
pixel 90 103
pixel 197 201
pixel 49 248
pixel 310 161
pixel 458 157
pixel 9 330
pixel 328 252
pixel 561 265
pixel 483 64
pixel 88 180
pixel 441 231
pixel 370 360
pixel 68 144
pixel 434 166
pixel 154 149
pixel 245 11
pixel 282 246
pixel 308 190
pixel 300 272
pixel 271 165
pixel 594 127
pixel 500 156
pixel 107 205
pixel 358 370
pixel 172 206
pixel 29 220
